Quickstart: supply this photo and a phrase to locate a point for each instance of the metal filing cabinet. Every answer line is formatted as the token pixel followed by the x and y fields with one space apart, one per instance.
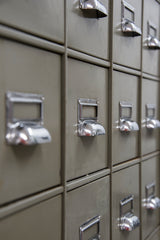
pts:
pixel 151 44
pixel 88 28
pixel 150 116
pixel 88 211
pixel 150 196
pixel 125 204
pixel 79 101
pixel 86 143
pixel 33 74
pixel 124 117
pixel 127 33
pixel 41 221
pixel 45 19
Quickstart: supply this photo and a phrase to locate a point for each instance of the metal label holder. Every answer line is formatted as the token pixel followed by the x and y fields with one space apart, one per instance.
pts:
pixel 89 103
pixel 28 98
pixel 124 105
pixel 25 131
pixel 87 225
pixel 152 26
pixel 149 187
pixel 124 202
pixel 131 9
pixel 152 108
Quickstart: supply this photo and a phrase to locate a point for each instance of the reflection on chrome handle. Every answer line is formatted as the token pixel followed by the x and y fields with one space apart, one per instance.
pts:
pixel 151 202
pixel 95 7
pixel 153 43
pixel 128 126
pixel 152 123
pixel 90 128
pixel 130 29
pixel 20 134
pixel 129 223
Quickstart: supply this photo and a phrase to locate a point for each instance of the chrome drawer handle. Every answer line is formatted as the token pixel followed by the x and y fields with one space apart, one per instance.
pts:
pixel 88 126
pixel 25 131
pixel 152 123
pixel 126 124
pixel 153 43
pixel 151 202
pixel 24 134
pixel 130 29
pixel 95 7
pixel 127 221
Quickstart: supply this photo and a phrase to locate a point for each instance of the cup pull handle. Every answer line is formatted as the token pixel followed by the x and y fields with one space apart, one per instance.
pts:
pixel 95 7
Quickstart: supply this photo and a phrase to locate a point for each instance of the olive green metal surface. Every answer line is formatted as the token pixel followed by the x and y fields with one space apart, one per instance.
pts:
pixel 28 169
pixel 150 62
pixel 87 34
pixel 150 95
pixel 85 154
pixel 42 221
pixel 150 174
pixel 125 183
pixel 85 203
pixel 43 18
pixel 124 145
pixel 126 49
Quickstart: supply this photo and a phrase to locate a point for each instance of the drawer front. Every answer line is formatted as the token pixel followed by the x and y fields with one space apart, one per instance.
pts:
pixel 127 46
pixel 128 186
pixel 86 154
pixel 92 201
pixel 151 27
pixel 125 108
pixel 150 187
pixel 42 18
pixel 28 169
pixel 41 221
pixel 150 113
pixel 87 33
pixel 156 236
